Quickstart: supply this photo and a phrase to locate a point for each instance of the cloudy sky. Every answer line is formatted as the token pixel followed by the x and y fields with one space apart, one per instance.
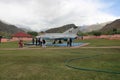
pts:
pixel 44 14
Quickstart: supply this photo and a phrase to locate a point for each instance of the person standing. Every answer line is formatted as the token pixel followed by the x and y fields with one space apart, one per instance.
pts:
pixel 33 40
pixel 20 44
pixel 0 40
pixel 39 41
pixel 70 42
pixel 43 43
pixel 36 41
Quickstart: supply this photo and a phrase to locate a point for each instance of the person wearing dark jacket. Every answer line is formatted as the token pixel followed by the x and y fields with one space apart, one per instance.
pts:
pixel 33 40
pixel 36 41
pixel 70 42
pixel 43 43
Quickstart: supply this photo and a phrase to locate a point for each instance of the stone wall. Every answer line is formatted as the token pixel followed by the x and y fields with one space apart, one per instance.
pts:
pixel 116 36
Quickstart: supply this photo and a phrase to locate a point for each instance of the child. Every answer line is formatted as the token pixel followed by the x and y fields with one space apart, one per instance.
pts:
pixel 20 44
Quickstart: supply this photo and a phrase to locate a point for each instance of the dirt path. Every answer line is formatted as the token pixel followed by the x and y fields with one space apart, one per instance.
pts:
pixel 27 48
pixel 104 47
pixel 74 47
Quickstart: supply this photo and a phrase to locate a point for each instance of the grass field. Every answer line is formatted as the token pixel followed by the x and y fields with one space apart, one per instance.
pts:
pixel 49 64
pixel 93 43
pixel 101 42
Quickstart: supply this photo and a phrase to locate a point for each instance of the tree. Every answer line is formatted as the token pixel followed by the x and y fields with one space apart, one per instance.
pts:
pixel 5 35
pixel 96 33
pixel 0 38
pixel 114 31
pixel 80 33
pixel 118 31
pixel 33 33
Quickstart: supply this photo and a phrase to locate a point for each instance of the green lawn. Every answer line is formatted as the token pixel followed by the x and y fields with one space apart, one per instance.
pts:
pixel 101 42
pixel 49 64
pixel 9 45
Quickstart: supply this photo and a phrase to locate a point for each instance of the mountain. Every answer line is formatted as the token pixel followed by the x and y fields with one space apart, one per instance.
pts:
pixel 60 29
pixel 8 28
pixel 109 27
pixel 94 27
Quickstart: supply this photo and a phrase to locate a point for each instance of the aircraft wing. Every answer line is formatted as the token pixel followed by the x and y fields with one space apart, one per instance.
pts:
pixel 57 36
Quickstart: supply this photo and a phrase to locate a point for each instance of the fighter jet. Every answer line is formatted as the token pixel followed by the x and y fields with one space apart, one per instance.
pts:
pixel 70 33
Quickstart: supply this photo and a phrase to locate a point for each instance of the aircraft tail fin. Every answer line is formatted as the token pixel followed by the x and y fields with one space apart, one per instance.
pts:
pixel 72 31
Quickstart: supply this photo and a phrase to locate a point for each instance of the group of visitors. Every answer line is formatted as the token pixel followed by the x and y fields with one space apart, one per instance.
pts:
pixel 39 42
pixel 42 42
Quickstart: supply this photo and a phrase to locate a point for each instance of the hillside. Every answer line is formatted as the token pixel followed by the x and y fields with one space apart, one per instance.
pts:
pixel 8 28
pixel 60 29
pixel 109 27
pixel 93 27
